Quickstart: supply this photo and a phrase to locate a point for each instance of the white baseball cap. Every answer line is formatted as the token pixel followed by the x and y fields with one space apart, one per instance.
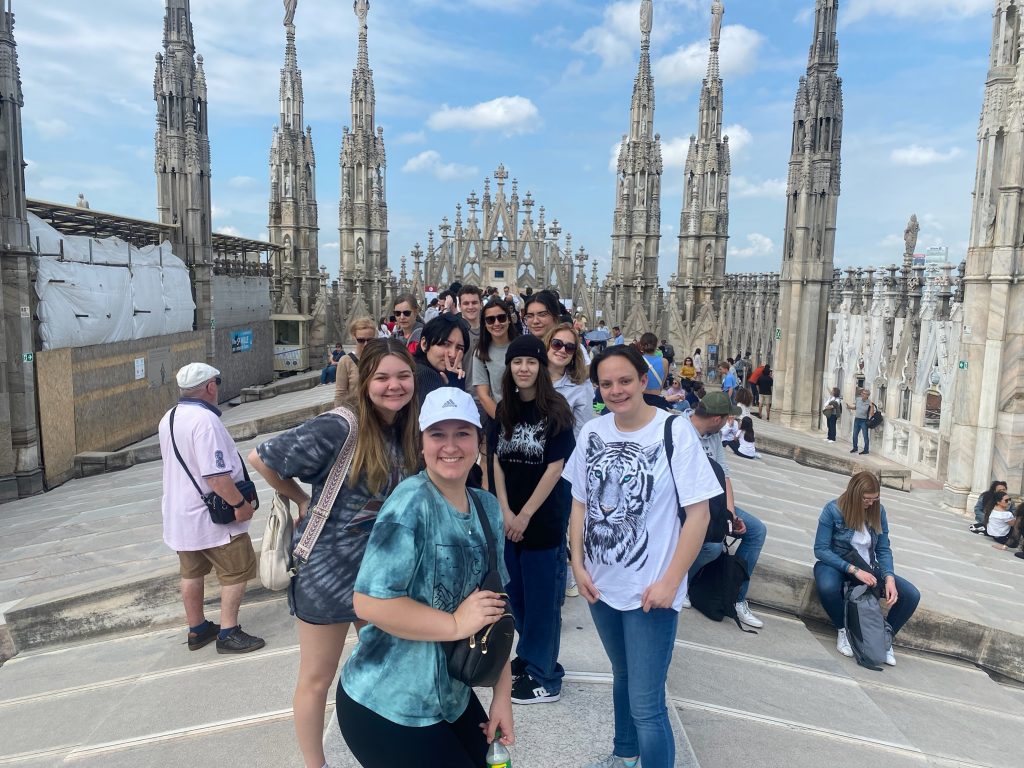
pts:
pixel 192 375
pixel 445 404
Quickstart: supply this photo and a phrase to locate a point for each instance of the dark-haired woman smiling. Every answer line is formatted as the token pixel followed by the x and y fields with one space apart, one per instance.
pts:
pixel 439 357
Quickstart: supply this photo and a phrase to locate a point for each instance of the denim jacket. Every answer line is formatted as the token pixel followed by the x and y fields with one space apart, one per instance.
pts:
pixel 833 540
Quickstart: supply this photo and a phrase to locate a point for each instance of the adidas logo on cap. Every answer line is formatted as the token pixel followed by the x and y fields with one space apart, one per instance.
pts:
pixel 450 404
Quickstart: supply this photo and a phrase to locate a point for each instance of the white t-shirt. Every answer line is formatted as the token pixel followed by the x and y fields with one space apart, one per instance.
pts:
pixel 631 527
pixel 207 450
pixel 999 522
pixel 731 431
pixel 747 447
pixel 861 542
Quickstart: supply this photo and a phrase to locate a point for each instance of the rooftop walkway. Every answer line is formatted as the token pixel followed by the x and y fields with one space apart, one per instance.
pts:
pixel 87 558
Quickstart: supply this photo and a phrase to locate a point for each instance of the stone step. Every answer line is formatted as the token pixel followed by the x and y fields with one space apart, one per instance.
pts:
pixel 787 692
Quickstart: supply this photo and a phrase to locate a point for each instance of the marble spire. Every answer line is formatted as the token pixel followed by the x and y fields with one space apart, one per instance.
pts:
pixel 362 212
pixel 704 221
pixel 292 221
pixel 636 231
pixel 812 201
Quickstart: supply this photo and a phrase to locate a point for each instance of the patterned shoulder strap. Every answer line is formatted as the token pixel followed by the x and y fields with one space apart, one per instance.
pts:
pixel 320 511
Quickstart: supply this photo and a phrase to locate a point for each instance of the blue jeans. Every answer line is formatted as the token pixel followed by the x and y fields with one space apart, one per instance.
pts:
pixel 861 425
pixel 328 374
pixel 639 646
pixel 536 590
pixel 749 550
pixel 830 591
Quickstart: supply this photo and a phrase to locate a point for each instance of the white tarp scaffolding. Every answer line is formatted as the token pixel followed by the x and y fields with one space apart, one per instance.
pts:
pixel 125 293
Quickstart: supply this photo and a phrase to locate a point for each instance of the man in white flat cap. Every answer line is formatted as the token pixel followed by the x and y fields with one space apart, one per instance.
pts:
pixel 200 457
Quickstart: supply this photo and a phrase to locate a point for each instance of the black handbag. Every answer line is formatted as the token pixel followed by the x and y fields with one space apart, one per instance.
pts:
pixel 221 512
pixel 479 659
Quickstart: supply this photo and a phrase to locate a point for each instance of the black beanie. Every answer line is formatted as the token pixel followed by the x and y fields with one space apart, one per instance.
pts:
pixel 527 346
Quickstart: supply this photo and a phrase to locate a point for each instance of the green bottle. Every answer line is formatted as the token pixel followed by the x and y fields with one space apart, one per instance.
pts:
pixel 497 755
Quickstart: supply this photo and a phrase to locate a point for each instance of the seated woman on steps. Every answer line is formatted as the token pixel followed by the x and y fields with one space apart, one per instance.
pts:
pixel 856 522
pixel 1001 523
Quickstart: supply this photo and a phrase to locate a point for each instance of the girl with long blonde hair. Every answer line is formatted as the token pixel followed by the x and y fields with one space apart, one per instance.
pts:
pixel 387 450
pixel 570 373
pixel 855 524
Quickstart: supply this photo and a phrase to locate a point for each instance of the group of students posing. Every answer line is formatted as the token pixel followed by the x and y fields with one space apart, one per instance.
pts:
pixel 402 551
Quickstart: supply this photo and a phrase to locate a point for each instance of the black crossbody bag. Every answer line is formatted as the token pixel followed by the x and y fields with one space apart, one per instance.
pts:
pixel 221 512
pixel 478 660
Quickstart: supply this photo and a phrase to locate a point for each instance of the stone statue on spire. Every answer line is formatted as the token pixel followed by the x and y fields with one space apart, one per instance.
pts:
pixel 646 16
pixel 289 12
pixel 717 11
pixel 910 238
pixel 362 8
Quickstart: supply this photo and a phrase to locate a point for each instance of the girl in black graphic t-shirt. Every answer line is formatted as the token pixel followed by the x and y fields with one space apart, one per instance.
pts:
pixel 533 439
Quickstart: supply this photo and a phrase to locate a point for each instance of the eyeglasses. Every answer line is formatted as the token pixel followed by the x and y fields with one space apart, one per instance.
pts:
pixel 537 315
pixel 492 319
pixel 403 313
pixel 568 346
pixel 870 499
pixel 363 341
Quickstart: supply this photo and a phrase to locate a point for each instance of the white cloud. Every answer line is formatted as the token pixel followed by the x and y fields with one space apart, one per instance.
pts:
pixel 758 246
pixel 411 137
pixel 674 152
pixel 804 16
pixel 916 155
pixel 739 138
pixel 217 212
pixel 329 246
pixel 958 9
pixel 772 188
pixel 688 65
pixel 430 162
pixel 616 40
pixel 231 231
pixel 53 128
pixel 613 157
pixel 508 114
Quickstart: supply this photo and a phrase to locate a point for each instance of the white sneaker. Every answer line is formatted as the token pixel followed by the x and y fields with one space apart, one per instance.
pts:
pixel 843 645
pixel 571 590
pixel 890 657
pixel 612 761
pixel 686 601
pixel 744 615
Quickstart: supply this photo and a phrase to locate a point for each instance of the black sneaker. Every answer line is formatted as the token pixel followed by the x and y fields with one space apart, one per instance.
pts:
pixel 239 642
pixel 518 667
pixel 977 528
pixel 853 450
pixel 863 453
pixel 526 690
pixel 204 638
pixel 1015 554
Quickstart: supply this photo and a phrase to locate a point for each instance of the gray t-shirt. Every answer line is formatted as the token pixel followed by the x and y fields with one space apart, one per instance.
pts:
pixel 470 354
pixel 490 372
pixel 712 444
pixel 860 408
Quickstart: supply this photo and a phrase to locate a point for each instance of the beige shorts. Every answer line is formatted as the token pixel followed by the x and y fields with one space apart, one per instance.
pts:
pixel 765 399
pixel 235 561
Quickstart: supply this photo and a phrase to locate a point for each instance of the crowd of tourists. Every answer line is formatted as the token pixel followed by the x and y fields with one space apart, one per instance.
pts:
pixel 483 463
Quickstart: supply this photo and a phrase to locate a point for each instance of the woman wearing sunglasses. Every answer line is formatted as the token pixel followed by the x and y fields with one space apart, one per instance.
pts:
pixel 497 332
pixel 570 374
pixel 346 382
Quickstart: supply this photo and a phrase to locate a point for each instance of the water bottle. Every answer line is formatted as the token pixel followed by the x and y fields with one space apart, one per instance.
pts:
pixel 497 755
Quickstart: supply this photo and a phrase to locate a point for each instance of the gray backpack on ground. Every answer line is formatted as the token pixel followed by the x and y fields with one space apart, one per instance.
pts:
pixel 868 632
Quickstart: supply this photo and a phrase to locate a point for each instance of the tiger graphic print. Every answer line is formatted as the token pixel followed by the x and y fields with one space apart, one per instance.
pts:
pixel 620 482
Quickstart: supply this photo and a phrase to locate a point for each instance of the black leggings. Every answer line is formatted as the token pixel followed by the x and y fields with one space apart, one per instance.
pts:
pixel 376 742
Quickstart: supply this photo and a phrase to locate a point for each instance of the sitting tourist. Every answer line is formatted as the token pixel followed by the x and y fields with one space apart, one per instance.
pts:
pixel 856 522
pixel 731 432
pixel 1001 523
pixel 744 444
pixel 979 508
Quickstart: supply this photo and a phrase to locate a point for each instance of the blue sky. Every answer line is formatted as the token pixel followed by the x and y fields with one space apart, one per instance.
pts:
pixel 543 86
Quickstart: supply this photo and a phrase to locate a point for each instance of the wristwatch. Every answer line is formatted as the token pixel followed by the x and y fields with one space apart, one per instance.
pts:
pixel 240 504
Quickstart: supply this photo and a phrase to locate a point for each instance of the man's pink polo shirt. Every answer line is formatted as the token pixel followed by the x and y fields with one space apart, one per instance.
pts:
pixel 207 449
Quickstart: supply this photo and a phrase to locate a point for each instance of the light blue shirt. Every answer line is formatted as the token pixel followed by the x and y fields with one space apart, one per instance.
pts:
pixel 421 548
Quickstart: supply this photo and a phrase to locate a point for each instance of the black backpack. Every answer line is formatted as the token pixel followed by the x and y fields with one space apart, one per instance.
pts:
pixel 876 418
pixel 720 524
pixel 715 589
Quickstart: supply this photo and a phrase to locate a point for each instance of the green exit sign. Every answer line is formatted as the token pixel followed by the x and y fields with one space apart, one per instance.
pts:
pixel 778 334
pixel 28 357
pixel 963 365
